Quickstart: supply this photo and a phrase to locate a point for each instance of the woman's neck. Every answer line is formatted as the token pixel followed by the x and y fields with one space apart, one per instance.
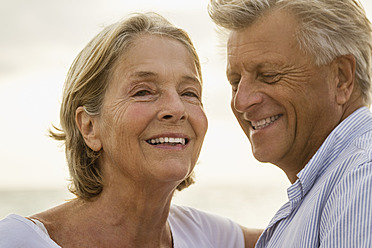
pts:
pixel 130 217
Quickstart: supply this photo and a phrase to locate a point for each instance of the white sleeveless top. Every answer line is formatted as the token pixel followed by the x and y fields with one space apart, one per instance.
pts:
pixel 190 228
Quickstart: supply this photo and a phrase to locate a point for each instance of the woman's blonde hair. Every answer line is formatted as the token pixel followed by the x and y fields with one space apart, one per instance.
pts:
pixel 86 84
pixel 328 29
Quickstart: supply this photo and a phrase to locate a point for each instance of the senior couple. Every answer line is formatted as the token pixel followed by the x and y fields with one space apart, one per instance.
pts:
pixel 132 121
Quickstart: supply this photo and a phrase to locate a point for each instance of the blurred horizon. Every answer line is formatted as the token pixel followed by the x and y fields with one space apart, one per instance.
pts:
pixel 39 42
pixel 41 39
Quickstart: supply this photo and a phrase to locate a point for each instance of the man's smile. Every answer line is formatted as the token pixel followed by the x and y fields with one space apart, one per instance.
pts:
pixel 264 122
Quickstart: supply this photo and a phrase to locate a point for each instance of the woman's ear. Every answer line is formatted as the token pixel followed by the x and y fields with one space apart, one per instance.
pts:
pixel 346 78
pixel 88 128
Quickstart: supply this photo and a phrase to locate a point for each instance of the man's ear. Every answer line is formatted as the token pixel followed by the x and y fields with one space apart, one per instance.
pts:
pixel 346 78
pixel 88 128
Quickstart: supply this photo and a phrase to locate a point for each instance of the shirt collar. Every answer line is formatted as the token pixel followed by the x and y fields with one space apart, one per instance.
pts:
pixel 336 141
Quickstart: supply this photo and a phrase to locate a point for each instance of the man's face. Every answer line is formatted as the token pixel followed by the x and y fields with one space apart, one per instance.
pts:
pixel 284 103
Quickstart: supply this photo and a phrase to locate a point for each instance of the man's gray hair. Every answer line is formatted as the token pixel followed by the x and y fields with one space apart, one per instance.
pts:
pixel 328 29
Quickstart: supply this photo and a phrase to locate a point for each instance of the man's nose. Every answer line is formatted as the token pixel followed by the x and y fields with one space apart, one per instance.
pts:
pixel 172 108
pixel 246 96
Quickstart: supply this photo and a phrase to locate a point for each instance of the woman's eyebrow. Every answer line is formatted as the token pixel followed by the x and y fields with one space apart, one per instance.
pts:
pixel 151 74
pixel 192 79
pixel 143 74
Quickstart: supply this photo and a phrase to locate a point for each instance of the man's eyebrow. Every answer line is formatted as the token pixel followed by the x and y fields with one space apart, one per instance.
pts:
pixel 230 74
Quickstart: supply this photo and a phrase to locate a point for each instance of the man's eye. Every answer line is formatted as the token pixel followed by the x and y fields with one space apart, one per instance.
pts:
pixel 270 78
pixel 234 86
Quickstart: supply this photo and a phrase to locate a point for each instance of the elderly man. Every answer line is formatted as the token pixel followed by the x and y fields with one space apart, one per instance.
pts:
pixel 300 73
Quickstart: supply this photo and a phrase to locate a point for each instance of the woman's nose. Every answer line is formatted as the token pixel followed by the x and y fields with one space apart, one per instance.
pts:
pixel 172 108
pixel 246 96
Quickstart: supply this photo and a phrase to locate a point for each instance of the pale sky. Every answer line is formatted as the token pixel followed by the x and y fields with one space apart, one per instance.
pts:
pixel 39 41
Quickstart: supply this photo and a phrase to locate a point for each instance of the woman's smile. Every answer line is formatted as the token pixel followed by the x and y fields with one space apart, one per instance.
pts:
pixel 152 118
pixel 168 140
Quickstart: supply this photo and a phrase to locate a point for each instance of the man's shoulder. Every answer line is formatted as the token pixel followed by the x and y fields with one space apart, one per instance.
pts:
pixel 354 163
pixel 358 156
pixel 356 150
pixel 352 179
pixel 364 141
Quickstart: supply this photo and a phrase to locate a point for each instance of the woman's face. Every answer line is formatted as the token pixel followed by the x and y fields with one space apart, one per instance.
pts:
pixel 152 124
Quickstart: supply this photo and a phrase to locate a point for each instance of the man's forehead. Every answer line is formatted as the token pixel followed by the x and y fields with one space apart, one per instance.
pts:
pixel 272 23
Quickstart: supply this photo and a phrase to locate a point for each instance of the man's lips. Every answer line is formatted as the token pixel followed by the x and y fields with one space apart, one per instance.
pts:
pixel 264 122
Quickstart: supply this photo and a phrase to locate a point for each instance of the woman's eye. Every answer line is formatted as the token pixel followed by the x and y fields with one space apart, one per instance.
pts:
pixel 191 94
pixel 142 93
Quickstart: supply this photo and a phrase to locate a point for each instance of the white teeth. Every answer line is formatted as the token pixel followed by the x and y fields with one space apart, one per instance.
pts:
pixel 264 122
pixel 180 140
pixel 163 140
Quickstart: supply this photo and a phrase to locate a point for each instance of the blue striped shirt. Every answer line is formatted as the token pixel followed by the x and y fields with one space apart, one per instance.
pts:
pixel 330 205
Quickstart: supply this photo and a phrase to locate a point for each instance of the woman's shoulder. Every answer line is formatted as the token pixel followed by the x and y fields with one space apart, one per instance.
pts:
pixel 14 226
pixel 202 226
pixel 198 217
pixel 17 231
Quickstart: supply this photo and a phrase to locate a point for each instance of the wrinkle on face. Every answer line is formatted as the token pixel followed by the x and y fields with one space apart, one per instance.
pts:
pixel 157 75
pixel 271 76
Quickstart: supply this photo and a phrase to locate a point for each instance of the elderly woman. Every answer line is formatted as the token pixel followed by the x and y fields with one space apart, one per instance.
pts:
pixel 133 124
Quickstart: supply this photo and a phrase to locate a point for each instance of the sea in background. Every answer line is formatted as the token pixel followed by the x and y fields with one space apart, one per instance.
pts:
pixel 246 204
pixel 36 52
